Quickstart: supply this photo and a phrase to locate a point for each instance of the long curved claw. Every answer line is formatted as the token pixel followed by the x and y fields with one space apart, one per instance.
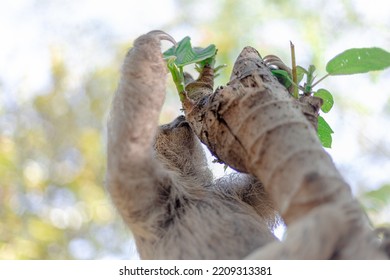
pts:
pixel 162 36
pixel 274 61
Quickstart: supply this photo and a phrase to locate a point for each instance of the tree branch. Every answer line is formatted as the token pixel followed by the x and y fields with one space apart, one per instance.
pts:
pixel 255 126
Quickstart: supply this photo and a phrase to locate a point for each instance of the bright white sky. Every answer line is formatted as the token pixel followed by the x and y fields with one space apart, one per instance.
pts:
pixel 26 39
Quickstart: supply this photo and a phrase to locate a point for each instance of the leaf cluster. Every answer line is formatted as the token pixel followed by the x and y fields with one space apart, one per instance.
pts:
pixel 351 61
pixel 184 54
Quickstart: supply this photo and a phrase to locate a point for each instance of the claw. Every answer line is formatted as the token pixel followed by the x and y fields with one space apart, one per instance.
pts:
pixel 272 61
pixel 163 36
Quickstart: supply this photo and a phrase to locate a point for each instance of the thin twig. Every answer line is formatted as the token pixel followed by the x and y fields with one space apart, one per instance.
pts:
pixel 294 70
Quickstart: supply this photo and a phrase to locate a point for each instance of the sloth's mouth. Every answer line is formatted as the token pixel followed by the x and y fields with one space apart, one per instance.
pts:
pixel 180 122
pixel 183 124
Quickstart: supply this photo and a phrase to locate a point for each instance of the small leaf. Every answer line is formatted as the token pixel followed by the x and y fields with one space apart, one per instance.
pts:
pixel 185 54
pixel 324 132
pixel 378 199
pixel 169 52
pixel 283 77
pixel 354 61
pixel 382 194
pixel 301 69
pixel 208 61
pixel 327 97
pixel 310 75
pixel 205 53
pixel 177 75
pixel 300 73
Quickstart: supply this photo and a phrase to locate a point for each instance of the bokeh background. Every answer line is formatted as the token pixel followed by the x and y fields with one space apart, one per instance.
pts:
pixel 59 66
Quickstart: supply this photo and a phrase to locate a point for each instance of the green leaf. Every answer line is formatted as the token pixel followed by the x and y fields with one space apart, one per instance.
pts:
pixel 324 132
pixel 177 74
pixel 283 77
pixel 377 199
pixel 300 73
pixel 382 194
pixel 327 97
pixel 310 75
pixel 203 54
pixel 354 61
pixel 208 61
pixel 185 54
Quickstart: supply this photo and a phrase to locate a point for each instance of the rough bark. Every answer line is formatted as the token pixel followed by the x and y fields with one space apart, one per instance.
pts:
pixel 255 126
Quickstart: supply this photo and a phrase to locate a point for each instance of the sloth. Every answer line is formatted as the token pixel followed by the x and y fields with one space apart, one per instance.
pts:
pixel 158 179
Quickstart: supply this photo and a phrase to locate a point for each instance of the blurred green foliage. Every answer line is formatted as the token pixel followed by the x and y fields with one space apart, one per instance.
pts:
pixel 53 204
pixel 52 167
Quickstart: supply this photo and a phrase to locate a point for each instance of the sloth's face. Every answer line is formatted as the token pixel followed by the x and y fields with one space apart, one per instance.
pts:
pixel 178 145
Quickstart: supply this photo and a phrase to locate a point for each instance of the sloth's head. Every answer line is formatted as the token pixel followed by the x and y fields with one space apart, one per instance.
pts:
pixel 179 149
